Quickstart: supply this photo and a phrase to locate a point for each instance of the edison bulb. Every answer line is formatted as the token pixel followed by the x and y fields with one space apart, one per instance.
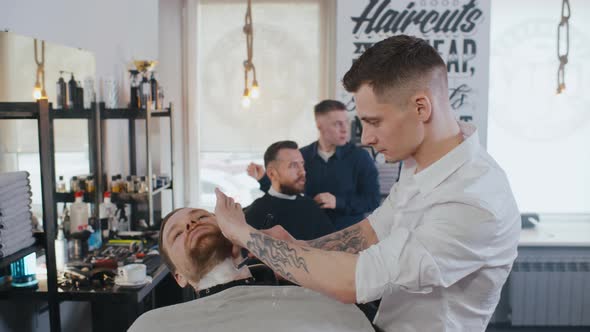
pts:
pixel 255 92
pixel 37 93
pixel 245 102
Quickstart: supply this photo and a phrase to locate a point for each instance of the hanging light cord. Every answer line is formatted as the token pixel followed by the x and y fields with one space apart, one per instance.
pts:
pixel 562 56
pixel 41 67
pixel 248 64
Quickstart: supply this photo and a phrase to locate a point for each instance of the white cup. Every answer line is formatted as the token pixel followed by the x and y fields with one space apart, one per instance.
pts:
pixel 132 273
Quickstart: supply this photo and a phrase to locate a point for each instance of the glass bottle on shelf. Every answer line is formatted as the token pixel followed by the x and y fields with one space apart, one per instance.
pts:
pixel 78 214
pixel 134 102
pixel 154 91
pixel 136 185
pixel 160 100
pixel 90 184
pixel 81 184
pixel 142 185
pixel 129 185
pixel 144 91
pixel 61 102
pixel 65 217
pixel 115 184
pixel 74 184
pixel 95 239
pixel 61 248
pixel 61 185
pixel 72 92
pixel 107 214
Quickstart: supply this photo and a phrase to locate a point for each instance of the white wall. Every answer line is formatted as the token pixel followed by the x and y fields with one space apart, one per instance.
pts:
pixel 115 31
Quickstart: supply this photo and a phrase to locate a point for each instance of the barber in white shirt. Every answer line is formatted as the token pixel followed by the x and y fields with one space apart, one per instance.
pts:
pixel 440 247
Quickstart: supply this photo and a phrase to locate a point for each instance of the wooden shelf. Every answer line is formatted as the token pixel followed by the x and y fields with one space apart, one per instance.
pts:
pixel 17 111
pixel 136 197
pixel 75 113
pixel 131 113
pixel 115 197
pixel 29 111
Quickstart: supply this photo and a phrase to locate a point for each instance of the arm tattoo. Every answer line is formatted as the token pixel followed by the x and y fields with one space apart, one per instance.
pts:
pixel 350 240
pixel 277 254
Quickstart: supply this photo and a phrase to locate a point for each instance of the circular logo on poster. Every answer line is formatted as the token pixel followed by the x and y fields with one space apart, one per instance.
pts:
pixel 523 65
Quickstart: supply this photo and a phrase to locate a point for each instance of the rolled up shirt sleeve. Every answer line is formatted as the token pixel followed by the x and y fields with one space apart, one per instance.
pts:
pixel 450 243
pixel 376 267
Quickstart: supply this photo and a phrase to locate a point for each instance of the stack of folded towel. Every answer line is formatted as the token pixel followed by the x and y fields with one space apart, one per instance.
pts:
pixel 16 230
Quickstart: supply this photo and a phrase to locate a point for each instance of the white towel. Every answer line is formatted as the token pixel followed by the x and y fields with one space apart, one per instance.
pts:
pixel 14 231
pixel 15 223
pixel 17 186
pixel 16 209
pixel 19 215
pixel 24 219
pixel 16 200
pixel 12 177
pixel 15 240
pixel 24 193
pixel 11 250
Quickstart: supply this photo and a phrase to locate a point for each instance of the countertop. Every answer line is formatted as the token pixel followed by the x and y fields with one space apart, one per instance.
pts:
pixel 557 234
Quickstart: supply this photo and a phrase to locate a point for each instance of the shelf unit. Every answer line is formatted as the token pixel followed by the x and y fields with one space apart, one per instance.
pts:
pixel 123 198
pixel 95 132
pixel 44 114
pixel 40 111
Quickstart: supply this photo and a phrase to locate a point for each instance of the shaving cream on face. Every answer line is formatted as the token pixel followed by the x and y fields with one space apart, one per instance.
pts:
pixel 224 272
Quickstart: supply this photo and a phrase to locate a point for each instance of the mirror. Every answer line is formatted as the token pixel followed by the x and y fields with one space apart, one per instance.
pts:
pixel 19 142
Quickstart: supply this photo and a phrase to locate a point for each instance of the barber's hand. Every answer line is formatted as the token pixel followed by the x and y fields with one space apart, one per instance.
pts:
pixel 256 171
pixel 325 200
pixel 230 218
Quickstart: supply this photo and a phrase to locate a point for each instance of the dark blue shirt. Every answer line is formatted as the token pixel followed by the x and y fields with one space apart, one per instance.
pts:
pixel 350 175
pixel 301 217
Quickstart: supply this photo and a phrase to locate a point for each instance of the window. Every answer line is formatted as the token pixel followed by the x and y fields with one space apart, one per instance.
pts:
pixel 538 137
pixel 288 50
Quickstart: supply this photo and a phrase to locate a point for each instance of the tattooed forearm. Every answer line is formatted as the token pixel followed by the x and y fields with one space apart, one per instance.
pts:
pixel 277 254
pixel 350 240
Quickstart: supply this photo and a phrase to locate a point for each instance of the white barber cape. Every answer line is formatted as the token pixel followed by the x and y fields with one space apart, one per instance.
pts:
pixel 255 309
pixel 447 240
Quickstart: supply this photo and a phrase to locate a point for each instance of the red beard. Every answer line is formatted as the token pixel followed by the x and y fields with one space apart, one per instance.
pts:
pixel 206 252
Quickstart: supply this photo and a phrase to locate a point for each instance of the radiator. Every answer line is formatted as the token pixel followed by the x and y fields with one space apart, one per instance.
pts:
pixel 551 289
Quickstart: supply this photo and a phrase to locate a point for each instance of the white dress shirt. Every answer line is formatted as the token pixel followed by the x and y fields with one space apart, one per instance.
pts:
pixel 447 240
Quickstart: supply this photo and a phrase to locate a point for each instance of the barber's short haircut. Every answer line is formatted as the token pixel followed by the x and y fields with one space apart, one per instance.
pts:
pixel 163 250
pixel 393 63
pixel 328 105
pixel 273 150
